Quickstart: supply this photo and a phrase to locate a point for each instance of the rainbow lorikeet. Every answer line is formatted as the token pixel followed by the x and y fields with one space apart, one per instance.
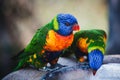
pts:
pixel 48 42
pixel 89 45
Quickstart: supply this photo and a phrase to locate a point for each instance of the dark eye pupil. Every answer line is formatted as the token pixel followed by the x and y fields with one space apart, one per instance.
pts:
pixel 67 24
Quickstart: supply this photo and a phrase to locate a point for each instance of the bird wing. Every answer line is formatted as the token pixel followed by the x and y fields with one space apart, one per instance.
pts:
pixel 38 41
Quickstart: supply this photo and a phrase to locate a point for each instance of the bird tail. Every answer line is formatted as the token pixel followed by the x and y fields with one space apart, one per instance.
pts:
pixel 19 62
pixel 20 65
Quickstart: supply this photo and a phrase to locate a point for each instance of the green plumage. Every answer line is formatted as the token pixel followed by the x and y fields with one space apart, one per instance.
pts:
pixel 34 48
pixel 38 41
pixel 96 39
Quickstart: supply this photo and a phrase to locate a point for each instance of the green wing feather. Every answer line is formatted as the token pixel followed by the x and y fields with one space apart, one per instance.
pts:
pixel 90 34
pixel 95 34
pixel 34 47
pixel 38 41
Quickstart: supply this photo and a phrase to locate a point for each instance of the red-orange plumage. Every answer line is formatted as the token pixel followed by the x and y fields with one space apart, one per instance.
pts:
pixel 56 42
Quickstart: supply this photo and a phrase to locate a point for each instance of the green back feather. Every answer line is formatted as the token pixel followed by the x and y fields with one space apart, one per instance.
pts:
pixel 38 41
pixel 95 35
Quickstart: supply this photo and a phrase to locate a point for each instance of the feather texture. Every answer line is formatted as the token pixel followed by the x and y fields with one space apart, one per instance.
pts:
pixel 90 43
pixel 88 40
pixel 48 42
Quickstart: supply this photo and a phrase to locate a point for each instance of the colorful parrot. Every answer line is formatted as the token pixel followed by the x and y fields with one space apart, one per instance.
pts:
pixel 89 43
pixel 48 42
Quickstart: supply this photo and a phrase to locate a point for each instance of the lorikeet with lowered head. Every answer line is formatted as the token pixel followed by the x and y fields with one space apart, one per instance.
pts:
pixel 90 43
pixel 48 42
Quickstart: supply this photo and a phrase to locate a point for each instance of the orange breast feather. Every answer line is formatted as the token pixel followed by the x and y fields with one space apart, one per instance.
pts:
pixel 56 42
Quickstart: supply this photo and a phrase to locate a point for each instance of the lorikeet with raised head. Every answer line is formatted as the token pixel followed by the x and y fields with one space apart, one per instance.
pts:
pixel 90 43
pixel 48 42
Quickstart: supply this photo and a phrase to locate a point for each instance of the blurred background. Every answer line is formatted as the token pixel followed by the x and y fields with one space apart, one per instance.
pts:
pixel 19 20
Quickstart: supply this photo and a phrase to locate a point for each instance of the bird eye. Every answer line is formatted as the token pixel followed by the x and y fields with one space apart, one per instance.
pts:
pixel 67 23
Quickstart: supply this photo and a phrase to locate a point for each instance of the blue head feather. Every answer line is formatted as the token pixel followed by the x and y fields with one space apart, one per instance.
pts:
pixel 65 22
pixel 95 59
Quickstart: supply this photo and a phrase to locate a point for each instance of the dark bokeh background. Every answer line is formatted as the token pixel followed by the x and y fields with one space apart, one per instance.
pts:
pixel 10 43
pixel 19 20
pixel 113 44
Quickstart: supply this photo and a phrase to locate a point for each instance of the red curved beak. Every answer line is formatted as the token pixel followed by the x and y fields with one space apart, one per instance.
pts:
pixel 76 27
pixel 94 72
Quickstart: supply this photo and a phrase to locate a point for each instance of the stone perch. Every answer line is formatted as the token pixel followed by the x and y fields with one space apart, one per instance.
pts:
pixel 74 71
